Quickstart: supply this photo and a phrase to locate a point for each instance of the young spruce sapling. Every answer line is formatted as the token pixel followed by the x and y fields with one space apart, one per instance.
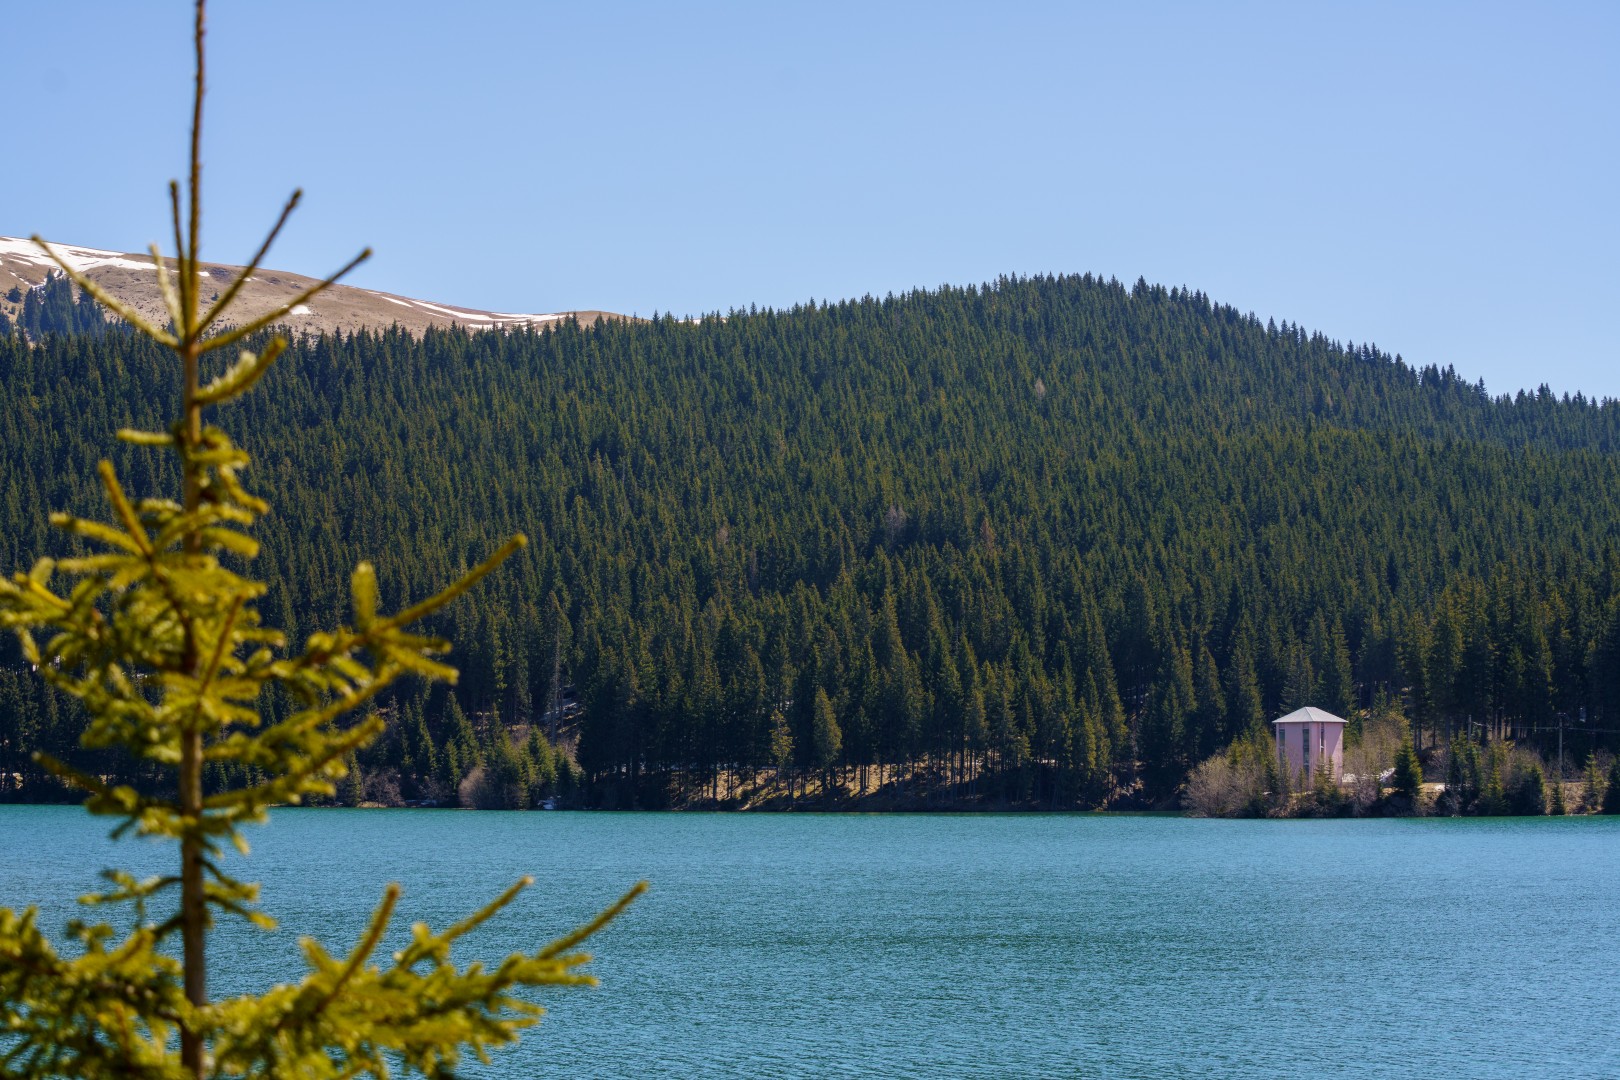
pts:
pixel 161 641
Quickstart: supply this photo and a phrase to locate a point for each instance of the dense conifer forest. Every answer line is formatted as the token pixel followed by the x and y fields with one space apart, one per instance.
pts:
pixel 1047 542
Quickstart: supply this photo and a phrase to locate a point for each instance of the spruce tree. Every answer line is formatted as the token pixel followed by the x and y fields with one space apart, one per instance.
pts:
pixel 827 742
pixel 1611 795
pixel 1492 800
pixel 1462 777
pixel 1593 787
pixel 543 767
pixel 781 749
pixel 1530 793
pixel 1408 778
pixel 159 638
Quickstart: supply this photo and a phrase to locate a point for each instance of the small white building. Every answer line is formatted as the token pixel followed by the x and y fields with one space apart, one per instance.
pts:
pixel 1309 737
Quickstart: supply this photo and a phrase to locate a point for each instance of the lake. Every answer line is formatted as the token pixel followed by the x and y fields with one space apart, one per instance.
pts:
pixel 984 945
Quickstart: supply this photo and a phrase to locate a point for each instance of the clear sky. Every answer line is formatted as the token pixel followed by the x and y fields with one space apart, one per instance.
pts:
pixel 1440 179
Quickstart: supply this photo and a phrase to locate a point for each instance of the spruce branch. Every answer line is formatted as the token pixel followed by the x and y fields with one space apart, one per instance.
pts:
pixel 253 326
pixel 235 286
pixel 166 287
pixel 106 299
pixel 183 267
pixel 162 644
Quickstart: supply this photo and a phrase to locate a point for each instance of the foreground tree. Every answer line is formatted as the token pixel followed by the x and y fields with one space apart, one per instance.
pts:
pixel 161 641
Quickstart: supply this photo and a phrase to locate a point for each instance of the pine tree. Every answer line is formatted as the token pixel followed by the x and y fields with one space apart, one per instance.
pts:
pixel 1300 688
pixel 1493 794
pixel 1462 777
pixel 161 642
pixel 354 788
pixel 543 767
pixel 1611 796
pixel 1593 788
pixel 975 732
pixel 781 749
pixel 1335 684
pixel 1204 735
pixel 504 783
pixel 1530 793
pixel 827 741
pixel 1161 741
pixel 1408 778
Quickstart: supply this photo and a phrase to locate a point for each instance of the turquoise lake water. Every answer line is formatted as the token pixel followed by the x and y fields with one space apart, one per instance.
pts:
pixel 936 945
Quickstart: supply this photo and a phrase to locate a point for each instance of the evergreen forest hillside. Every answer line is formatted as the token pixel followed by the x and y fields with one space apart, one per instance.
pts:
pixel 1049 541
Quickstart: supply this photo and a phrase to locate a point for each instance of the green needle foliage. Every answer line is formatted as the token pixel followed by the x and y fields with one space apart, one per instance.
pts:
pixel 160 639
pixel 1408 778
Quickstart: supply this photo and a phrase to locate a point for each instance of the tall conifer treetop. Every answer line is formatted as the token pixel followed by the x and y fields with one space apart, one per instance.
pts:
pixel 160 639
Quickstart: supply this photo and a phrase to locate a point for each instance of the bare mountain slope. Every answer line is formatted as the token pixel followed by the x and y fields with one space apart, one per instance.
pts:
pixel 129 277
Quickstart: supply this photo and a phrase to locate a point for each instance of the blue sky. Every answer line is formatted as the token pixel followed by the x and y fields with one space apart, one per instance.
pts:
pixel 1437 178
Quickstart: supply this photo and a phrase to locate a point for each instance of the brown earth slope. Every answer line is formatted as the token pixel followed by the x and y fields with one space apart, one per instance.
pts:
pixel 129 278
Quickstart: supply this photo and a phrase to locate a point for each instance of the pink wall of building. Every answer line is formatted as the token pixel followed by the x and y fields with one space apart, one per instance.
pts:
pixel 1305 743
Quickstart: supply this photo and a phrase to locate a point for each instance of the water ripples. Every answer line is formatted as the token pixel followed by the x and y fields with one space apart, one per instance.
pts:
pixel 936 945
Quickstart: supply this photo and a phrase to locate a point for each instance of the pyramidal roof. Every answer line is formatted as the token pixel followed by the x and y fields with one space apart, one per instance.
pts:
pixel 1310 715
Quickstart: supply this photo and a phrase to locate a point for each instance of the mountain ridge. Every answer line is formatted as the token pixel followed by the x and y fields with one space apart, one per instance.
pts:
pixel 347 308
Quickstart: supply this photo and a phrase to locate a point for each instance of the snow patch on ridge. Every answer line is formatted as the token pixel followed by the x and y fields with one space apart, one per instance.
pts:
pixel 80 258
pixel 22 257
pixel 471 316
pixel 523 318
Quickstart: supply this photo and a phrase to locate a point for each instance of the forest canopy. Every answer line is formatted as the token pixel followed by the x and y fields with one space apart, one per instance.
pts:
pixel 1060 536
